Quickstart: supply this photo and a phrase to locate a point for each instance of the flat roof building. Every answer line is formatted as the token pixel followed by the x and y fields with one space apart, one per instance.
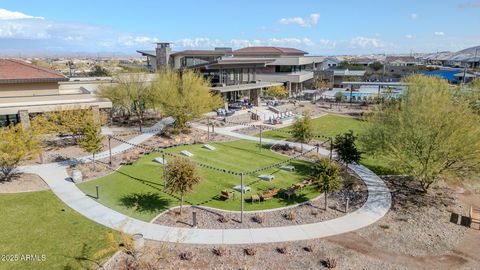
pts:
pixel 27 89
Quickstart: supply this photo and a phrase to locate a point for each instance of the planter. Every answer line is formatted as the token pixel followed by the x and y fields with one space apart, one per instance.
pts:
pixel 138 241
pixel 77 176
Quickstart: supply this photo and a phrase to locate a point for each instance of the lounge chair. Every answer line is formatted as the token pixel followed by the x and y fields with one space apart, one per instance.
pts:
pixel 255 197
pixel 474 216
pixel 298 186
pixel 289 193
pixel 267 196
pixel 226 195
pixel 274 191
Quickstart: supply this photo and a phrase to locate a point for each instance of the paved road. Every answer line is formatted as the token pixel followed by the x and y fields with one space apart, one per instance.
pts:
pixel 376 206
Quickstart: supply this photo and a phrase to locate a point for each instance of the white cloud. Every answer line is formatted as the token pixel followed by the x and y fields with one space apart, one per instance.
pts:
pixel 439 34
pixel 24 29
pixel 15 15
pixel 132 41
pixel 409 36
pixel 413 16
pixel 268 29
pixel 199 42
pixel 207 43
pixel 307 22
pixel 366 42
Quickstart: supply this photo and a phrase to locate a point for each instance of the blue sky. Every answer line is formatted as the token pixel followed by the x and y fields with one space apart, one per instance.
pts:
pixel 319 27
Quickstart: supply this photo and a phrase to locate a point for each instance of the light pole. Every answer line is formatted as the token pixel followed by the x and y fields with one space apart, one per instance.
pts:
pixel 242 197
pixel 260 145
pixel 110 149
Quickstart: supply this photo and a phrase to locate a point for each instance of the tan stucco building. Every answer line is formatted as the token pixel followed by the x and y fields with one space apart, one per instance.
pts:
pixel 27 89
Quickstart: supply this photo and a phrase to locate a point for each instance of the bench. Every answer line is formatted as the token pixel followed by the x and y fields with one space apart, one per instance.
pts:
pixel 474 216
pixel 226 195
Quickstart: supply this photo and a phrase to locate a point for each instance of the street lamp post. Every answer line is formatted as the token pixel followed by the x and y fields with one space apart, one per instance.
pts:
pixel 242 197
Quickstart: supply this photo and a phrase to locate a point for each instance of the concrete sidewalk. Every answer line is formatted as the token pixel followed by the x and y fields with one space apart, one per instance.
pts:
pixel 376 206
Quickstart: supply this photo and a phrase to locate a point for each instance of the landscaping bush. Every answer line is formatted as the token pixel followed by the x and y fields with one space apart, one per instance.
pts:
pixel 330 263
pixel 282 250
pixel 259 218
pixel 308 248
pixel 224 218
pixel 291 216
pixel 220 251
pixel 250 251
pixel 186 256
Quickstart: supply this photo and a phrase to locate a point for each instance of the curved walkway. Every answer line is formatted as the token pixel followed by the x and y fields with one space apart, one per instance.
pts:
pixel 376 206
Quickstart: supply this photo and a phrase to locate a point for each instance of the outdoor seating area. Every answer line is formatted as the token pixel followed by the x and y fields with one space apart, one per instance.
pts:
pixel 227 195
pixel 265 196
pixel 293 189
pixel 279 118
pixel 220 186
pixel 225 113
pixel 242 105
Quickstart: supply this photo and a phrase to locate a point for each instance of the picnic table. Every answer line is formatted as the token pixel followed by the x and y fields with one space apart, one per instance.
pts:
pixel 239 188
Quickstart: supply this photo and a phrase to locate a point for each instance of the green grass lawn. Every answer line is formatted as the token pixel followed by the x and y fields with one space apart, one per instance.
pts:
pixel 331 125
pixel 137 190
pixel 34 223
pixel 328 125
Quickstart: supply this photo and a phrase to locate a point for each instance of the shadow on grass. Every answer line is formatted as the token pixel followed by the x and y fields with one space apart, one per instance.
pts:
pixel 303 168
pixel 144 202
pixel 297 198
pixel 84 260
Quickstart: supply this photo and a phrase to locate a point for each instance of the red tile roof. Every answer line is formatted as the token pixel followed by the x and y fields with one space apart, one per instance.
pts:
pixel 269 50
pixel 17 71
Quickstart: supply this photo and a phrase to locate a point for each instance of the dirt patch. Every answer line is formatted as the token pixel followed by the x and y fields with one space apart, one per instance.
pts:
pixel 24 182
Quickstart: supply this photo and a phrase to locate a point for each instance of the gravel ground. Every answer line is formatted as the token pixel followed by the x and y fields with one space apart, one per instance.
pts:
pixel 415 234
pixel 24 182
pixel 418 224
pixel 306 213
pixel 65 149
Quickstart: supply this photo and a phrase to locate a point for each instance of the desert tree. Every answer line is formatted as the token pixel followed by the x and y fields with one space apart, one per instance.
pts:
pixel 99 71
pixel 302 129
pixel 346 148
pixel 325 176
pixel 430 133
pixel 91 140
pixel 68 121
pixel 131 94
pixel 321 83
pixel 16 145
pixel 278 92
pixel 181 176
pixel 471 92
pixel 184 96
